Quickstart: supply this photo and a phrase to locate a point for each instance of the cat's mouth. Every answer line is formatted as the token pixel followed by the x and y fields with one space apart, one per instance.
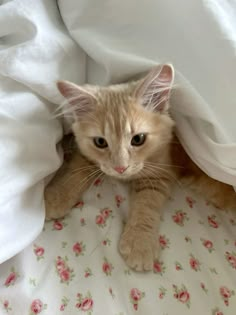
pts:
pixel 126 174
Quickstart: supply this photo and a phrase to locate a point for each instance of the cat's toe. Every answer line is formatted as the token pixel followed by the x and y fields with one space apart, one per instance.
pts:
pixel 139 249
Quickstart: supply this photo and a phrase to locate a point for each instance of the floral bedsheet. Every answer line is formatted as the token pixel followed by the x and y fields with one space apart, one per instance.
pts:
pixel 74 266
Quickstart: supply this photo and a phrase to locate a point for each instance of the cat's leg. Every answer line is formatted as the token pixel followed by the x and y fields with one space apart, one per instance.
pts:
pixel 71 180
pixel 139 243
pixel 219 194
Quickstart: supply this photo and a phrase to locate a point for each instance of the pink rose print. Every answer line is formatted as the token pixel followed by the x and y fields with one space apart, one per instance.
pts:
pixel 182 295
pixel 216 311
pixel 82 222
pixel 178 266
pixel 119 200
pixel 111 293
pixel 107 267
pixel 208 244
pixel 106 242
pixel 37 307
pixel 231 258
pixel 180 217
pixel 226 293
pixel 102 218
pixel 213 222
pixel 98 182
pixel 135 296
pixel 203 287
pixel 79 204
pixel 159 267
pixel 65 273
pixel 194 263
pixel 79 248
pixel 64 303
pixel 190 201
pixel 88 273
pixel 164 242
pixel 105 213
pixel 162 292
pixel 11 279
pixel 85 303
pixel 58 225
pixel 60 264
pixel 6 306
pixel 39 252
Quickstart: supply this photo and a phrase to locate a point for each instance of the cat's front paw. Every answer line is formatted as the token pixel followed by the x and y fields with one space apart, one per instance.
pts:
pixel 139 248
pixel 54 204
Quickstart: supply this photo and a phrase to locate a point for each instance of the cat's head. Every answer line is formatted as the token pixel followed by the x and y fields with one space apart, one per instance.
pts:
pixel 120 127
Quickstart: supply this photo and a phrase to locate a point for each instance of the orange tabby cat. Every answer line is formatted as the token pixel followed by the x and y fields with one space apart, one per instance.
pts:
pixel 125 131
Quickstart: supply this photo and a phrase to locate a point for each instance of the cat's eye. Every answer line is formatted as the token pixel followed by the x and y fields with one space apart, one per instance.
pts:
pixel 138 139
pixel 100 142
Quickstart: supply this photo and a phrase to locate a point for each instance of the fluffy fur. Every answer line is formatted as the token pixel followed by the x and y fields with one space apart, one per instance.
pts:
pixel 116 114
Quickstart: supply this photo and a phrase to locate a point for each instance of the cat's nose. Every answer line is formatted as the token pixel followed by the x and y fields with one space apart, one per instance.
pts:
pixel 120 169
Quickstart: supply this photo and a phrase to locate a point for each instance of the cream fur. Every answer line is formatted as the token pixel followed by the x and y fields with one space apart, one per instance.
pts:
pixel 117 113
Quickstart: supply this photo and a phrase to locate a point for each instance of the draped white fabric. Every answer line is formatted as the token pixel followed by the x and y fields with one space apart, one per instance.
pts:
pixel 198 37
pixel 111 42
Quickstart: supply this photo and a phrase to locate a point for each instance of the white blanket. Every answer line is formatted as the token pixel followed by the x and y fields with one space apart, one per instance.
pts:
pixel 113 42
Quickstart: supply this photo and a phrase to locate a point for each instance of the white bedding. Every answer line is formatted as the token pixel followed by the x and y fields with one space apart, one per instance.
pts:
pixel 103 43
pixel 195 273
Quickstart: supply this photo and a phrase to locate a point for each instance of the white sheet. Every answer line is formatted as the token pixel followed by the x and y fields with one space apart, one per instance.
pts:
pixel 74 268
pixel 198 37
pixel 115 41
pixel 34 52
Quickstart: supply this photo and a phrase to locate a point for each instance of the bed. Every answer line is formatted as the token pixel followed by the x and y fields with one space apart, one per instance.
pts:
pixel 72 266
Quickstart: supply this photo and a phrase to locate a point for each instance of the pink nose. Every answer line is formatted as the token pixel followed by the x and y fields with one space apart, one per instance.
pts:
pixel 120 169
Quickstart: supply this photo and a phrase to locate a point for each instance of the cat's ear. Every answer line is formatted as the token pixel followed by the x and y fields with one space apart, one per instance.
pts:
pixel 80 99
pixel 154 90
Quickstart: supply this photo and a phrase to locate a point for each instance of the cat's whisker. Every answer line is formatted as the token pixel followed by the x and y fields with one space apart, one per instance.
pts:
pixel 79 170
pixel 89 178
pixel 69 111
pixel 88 167
pixel 147 173
pixel 170 165
pixel 100 176
pixel 154 168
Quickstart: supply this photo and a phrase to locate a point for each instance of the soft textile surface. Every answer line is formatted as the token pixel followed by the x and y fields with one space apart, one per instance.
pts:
pixel 34 52
pixel 74 267
pixel 197 36
pixel 113 41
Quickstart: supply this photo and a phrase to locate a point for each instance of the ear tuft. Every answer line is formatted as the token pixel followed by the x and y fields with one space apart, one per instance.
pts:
pixel 154 90
pixel 80 99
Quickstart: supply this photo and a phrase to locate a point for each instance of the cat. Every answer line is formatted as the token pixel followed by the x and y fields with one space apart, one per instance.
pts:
pixel 126 131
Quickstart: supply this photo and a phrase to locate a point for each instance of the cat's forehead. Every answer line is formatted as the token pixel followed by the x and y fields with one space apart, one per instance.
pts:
pixel 119 115
pixel 124 123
